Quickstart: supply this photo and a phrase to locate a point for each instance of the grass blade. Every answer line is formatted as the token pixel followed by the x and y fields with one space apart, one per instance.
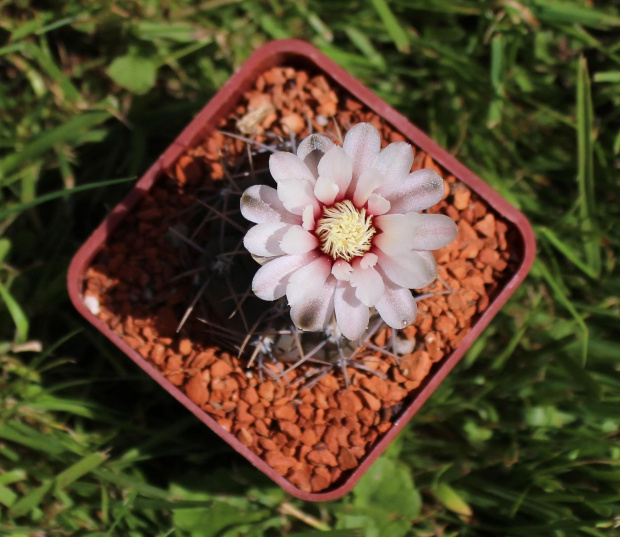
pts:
pixel 21 434
pixel 31 500
pixel 563 299
pixel 19 207
pixel 47 65
pixel 581 376
pixel 447 496
pixel 79 469
pixel 71 130
pixel 18 315
pixel 7 496
pixel 607 76
pixel 396 31
pixel 566 250
pixel 585 160
pixel 568 12
pixel 365 46
pixel 357 532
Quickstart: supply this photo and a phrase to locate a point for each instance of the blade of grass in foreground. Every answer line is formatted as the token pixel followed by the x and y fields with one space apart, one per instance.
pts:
pixel 364 45
pixel 581 376
pixel 516 338
pixel 31 500
pixel 61 80
pixel 585 158
pixel 607 76
pixel 447 496
pixel 566 250
pixel 19 207
pixel 568 12
pixel 396 31
pixel 358 532
pixel 72 129
pixel 563 299
pixel 17 314
pixel 79 469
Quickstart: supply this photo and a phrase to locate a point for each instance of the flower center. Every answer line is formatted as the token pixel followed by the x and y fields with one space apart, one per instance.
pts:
pixel 344 232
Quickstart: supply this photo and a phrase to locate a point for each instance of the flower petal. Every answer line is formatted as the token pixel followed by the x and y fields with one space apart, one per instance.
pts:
pixel 394 162
pixel 369 260
pixel 397 306
pixel 362 143
pixel 264 239
pixel 311 150
pixel 336 167
pixel 307 280
pixel 431 262
pixel 260 204
pixel 326 190
pixel 414 231
pixel 397 230
pixel 378 205
pixel 296 240
pixel 271 279
pixel 296 194
pixel 313 313
pixel 351 315
pixel 395 223
pixel 412 270
pixel 368 284
pixel 307 218
pixel 435 231
pixel 342 270
pixel 284 165
pixel 418 191
pixel 368 182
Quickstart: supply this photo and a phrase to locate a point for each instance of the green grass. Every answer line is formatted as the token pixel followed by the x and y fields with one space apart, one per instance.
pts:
pixel 521 439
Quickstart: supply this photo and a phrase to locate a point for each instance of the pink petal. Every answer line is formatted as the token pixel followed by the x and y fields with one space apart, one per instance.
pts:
pixel 326 190
pixel 307 280
pixel 369 260
pixel 314 312
pixel 368 284
pixel 260 204
pixel 342 270
pixel 337 168
pixel 296 240
pixel 435 231
pixel 431 262
pixel 397 230
pixel 412 270
pixel 264 239
pixel 311 150
pixel 368 182
pixel 418 191
pixel 283 165
pixel 397 306
pixel 271 279
pixel 378 205
pixel 414 231
pixel 393 223
pixel 362 143
pixel 394 162
pixel 296 194
pixel 307 218
pixel 351 315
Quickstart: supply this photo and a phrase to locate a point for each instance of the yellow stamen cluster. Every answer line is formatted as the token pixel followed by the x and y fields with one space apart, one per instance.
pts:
pixel 344 232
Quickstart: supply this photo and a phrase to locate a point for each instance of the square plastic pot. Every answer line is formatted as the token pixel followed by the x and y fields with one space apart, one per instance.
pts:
pixel 302 55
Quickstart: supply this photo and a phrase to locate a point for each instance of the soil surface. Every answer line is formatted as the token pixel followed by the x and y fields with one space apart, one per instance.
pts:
pixel 155 263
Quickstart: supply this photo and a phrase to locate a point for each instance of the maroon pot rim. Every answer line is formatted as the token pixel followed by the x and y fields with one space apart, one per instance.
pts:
pixel 270 55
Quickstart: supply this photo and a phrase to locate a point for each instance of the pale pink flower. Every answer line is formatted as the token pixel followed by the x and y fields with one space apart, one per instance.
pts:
pixel 343 232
